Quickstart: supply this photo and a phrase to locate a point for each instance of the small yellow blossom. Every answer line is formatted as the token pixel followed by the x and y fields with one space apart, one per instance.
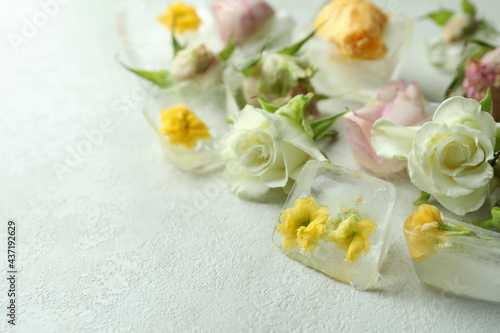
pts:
pixel 182 126
pixel 305 224
pixel 352 236
pixel 355 26
pixel 184 18
pixel 423 233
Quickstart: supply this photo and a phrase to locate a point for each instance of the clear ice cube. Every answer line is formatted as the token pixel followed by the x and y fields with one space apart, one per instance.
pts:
pixel 343 190
pixel 360 80
pixel 462 265
pixel 209 104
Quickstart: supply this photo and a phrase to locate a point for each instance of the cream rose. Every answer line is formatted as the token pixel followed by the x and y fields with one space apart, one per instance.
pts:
pixel 447 157
pixel 266 149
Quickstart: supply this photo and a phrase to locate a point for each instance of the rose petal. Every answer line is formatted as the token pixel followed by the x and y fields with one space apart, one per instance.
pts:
pixel 465 111
pixel 391 140
pixel 462 205
pixel 242 184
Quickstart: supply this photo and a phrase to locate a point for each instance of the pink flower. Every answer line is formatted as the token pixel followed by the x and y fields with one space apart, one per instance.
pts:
pixel 402 104
pixel 481 74
pixel 242 19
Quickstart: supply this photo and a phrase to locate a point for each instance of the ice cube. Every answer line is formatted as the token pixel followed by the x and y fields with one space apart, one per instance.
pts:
pixel 343 191
pixel 208 105
pixel 463 265
pixel 360 80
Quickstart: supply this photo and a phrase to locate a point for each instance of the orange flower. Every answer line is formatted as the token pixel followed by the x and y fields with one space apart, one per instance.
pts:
pixel 355 26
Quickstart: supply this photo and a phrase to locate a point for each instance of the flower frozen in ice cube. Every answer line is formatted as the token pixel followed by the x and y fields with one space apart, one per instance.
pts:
pixel 355 26
pixel 304 225
pixel 458 257
pixel 352 236
pixel 241 19
pixel 197 63
pixel 358 48
pixel 180 16
pixel 337 221
pixel 182 126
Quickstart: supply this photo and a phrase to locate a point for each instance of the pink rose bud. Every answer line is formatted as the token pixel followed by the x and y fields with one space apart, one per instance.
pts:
pixel 402 104
pixel 241 19
pixel 481 74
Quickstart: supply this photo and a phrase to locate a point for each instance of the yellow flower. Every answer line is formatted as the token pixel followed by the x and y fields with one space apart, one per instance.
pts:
pixel 423 232
pixel 182 126
pixel 355 26
pixel 305 224
pixel 184 18
pixel 352 236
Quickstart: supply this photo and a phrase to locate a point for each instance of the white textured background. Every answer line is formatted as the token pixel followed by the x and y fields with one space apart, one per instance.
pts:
pixel 122 241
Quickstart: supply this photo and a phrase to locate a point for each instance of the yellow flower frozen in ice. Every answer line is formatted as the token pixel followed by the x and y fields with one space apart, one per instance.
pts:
pixel 184 18
pixel 305 224
pixel 355 26
pixel 182 126
pixel 352 236
pixel 423 232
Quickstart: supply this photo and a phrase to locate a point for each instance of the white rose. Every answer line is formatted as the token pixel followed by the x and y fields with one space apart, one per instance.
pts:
pixel 447 157
pixel 265 149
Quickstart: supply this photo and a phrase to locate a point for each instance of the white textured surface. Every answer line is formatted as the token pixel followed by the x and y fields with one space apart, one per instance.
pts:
pixel 125 242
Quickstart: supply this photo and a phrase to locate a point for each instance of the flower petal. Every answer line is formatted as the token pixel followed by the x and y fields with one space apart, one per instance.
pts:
pixel 464 204
pixel 365 228
pixel 242 184
pixel 390 140
pixel 466 111
pixel 354 252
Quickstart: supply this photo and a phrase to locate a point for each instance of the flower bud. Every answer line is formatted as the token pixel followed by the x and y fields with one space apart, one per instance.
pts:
pixel 196 63
pixel 455 27
pixel 241 19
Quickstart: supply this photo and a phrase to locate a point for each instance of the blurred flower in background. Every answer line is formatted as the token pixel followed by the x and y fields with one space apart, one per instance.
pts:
pixel 241 19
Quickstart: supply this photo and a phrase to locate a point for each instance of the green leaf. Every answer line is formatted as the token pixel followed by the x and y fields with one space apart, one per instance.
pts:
pixel 321 127
pixel 267 105
pixel 487 28
pixel 176 45
pixel 161 78
pixel 487 102
pixel 250 65
pixel 225 54
pixel 424 197
pixel 468 8
pixel 292 50
pixel 440 17
pixel 295 110
pixel 497 139
pixel 322 97
pixel 480 49
pixel 494 222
